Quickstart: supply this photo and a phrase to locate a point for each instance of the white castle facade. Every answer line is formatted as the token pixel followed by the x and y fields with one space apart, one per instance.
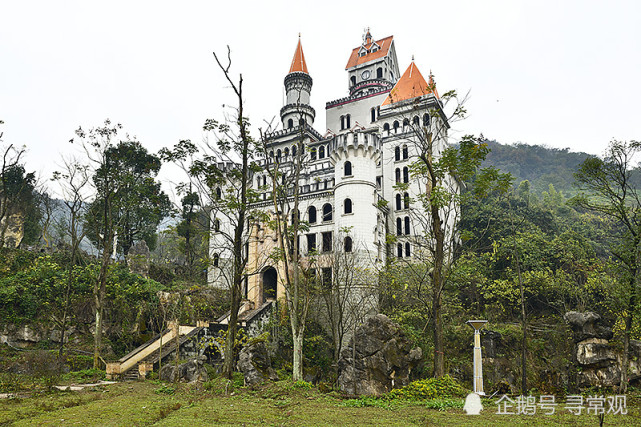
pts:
pixel 356 189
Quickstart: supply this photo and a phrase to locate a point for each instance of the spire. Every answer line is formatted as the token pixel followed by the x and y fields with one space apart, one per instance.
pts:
pixel 411 85
pixel 298 63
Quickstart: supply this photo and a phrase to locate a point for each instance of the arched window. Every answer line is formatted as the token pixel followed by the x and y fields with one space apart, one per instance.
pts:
pixel 286 152
pixel 395 126
pixel 406 175
pixel 327 212
pixel 311 215
pixel 290 123
pixel 406 124
pixel 426 120
pixel 342 122
pixel 348 244
pixel 407 250
pixel 353 80
pixel 399 250
pixel 386 128
pixel 216 225
pixel 399 227
pixel 312 153
pixel 405 152
pixel 348 121
pixel 301 122
pixel 416 121
pixel 407 225
pixel 397 153
pixel 348 168
pixel 271 154
pixel 398 202
pixel 216 260
pixel 294 217
pixel 406 201
pixel 265 180
pixel 278 154
pixel 293 151
pixel 348 206
pixel 219 193
pixel 373 114
pixel 257 181
pixel 321 152
pixel 379 73
pixel 398 175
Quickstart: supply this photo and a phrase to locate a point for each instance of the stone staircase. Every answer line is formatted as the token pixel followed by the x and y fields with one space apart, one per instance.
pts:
pixel 140 361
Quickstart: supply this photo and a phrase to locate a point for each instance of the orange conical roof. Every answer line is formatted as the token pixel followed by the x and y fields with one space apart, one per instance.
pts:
pixel 411 85
pixel 298 63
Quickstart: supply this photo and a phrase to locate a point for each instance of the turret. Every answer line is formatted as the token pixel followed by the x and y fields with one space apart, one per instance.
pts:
pixel 355 156
pixel 298 86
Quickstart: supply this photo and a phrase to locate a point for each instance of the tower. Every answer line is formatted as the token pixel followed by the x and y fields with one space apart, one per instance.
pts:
pixel 298 86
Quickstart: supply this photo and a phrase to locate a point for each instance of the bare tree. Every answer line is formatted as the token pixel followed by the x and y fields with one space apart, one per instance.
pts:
pixel 10 187
pixel 220 173
pixel 74 183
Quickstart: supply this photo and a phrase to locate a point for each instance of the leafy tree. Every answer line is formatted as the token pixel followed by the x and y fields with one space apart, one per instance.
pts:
pixel 609 190
pixel 138 203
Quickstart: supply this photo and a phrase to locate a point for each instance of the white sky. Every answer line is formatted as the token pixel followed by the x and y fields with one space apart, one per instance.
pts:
pixel 559 73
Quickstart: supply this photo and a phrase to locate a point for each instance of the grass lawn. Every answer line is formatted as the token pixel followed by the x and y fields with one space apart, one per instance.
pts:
pixel 281 403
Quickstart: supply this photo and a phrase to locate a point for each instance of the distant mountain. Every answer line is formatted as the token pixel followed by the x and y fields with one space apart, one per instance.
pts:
pixel 541 165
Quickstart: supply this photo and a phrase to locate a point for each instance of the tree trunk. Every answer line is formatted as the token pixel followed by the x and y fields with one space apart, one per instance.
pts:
pixel 439 355
pixel 100 289
pixel 297 363
pixel 232 329
pixel 623 387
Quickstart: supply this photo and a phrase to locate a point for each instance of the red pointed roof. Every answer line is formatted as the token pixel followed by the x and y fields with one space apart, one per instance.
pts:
pixel 383 49
pixel 298 63
pixel 411 85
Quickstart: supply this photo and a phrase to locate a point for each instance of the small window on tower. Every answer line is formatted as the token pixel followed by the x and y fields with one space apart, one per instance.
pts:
pixel 395 126
pixel 321 152
pixel 386 128
pixel 379 73
pixel 407 225
pixel 406 201
pixel 405 152
pixel 373 114
pixel 348 206
pixel 348 244
pixel 348 121
pixel 407 249
pixel 398 202
pixel 398 175
pixel 397 153
pixel 399 227
pixel 406 175
pixel 399 250
pixel 290 123
pixel 348 168
pixel 326 277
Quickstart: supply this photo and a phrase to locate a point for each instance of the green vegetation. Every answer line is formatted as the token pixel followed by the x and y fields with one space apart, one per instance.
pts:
pixel 279 403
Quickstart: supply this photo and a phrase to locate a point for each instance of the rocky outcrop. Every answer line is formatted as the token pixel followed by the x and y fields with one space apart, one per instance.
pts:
pixel 138 259
pixel 191 371
pixel 255 364
pixel 378 358
pixel 597 359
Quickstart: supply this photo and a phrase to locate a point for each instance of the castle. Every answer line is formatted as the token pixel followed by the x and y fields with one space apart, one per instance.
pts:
pixel 355 188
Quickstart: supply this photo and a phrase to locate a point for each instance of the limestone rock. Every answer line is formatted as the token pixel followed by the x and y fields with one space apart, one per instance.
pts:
pixel 384 358
pixel 138 259
pixel 595 352
pixel 191 371
pixel 255 364
pixel 587 325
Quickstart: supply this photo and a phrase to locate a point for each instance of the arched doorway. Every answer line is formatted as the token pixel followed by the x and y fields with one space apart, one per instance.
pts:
pixel 270 280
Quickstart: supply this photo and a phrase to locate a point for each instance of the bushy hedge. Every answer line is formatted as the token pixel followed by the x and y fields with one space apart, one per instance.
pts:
pixel 430 388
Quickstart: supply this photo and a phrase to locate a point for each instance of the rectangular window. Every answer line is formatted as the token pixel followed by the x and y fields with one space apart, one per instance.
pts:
pixel 327 241
pixel 327 277
pixel 311 242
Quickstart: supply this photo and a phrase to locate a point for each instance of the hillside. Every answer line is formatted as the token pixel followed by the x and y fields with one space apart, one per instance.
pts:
pixel 538 164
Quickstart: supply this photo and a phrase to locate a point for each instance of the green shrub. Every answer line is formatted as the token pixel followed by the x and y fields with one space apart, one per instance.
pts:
pixel 430 388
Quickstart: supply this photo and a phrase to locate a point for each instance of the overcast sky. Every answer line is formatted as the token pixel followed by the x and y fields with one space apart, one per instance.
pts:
pixel 559 73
